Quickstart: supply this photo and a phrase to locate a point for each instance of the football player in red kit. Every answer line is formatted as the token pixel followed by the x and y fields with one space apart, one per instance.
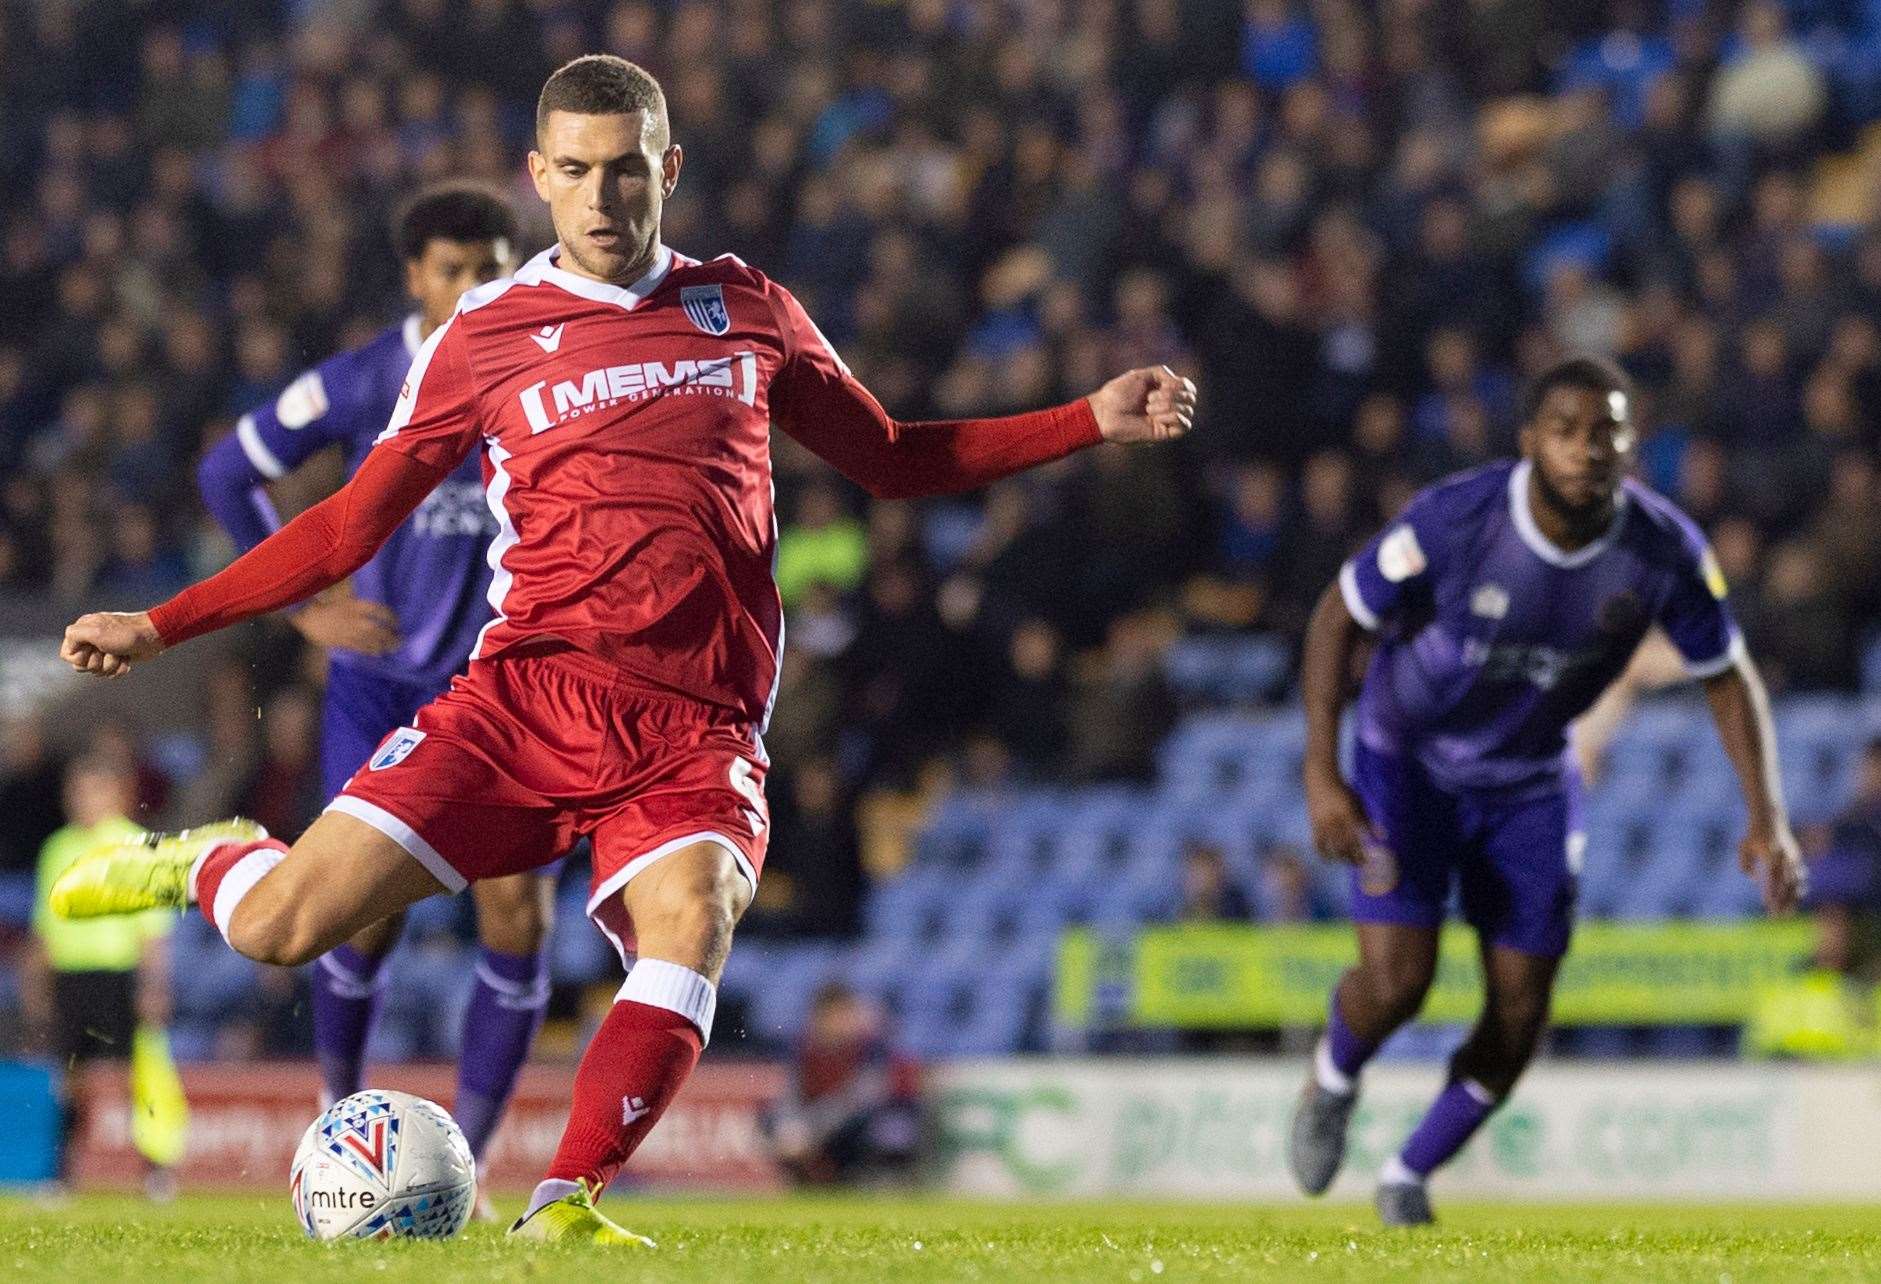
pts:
pixel 624 396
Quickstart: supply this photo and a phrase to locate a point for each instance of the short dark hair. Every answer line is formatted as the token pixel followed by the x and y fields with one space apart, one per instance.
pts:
pixel 454 211
pixel 601 85
pixel 1595 374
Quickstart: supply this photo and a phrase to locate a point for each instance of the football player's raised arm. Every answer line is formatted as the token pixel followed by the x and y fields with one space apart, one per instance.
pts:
pixel 432 428
pixel 316 550
pixel 816 400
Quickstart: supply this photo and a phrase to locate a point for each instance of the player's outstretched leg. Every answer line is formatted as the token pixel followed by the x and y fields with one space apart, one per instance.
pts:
pixel 149 872
pixel 271 904
pixel 348 985
pixel 1482 1073
pixel 1396 963
pixel 682 909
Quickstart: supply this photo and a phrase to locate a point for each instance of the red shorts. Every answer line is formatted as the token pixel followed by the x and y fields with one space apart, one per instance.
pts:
pixel 525 753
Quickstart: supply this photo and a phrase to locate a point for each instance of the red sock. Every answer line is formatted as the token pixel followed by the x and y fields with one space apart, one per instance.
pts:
pixel 632 1070
pixel 226 873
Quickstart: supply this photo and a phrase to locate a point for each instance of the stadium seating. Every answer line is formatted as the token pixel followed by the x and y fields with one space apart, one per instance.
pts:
pixel 960 945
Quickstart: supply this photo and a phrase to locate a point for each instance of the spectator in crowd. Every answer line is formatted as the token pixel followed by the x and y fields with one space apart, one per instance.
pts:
pixel 30 776
pixel 852 1112
pixel 283 791
pixel 1288 893
pixel 1209 892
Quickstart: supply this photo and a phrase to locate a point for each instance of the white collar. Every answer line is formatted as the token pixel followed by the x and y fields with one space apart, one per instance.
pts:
pixel 1543 547
pixel 409 330
pixel 542 269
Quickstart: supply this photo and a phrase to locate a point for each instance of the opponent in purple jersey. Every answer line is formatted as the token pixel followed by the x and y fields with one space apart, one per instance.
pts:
pixel 398 635
pixel 1503 602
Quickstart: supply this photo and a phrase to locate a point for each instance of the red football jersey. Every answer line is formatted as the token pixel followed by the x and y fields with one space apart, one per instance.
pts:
pixel 627 435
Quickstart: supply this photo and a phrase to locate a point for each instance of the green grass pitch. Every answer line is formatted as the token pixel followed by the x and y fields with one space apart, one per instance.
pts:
pixel 909 1240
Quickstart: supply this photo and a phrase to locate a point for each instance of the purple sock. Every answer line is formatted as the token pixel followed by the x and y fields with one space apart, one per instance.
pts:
pixel 506 1007
pixel 346 994
pixel 1348 1052
pixel 1452 1120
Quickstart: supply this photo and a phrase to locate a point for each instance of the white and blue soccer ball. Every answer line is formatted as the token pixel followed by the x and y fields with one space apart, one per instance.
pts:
pixel 381 1164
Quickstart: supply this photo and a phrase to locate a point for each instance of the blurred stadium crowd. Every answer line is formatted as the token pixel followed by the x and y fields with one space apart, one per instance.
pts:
pixel 1358 225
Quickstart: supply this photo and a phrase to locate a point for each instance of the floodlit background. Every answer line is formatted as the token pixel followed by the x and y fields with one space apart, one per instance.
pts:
pixel 1034 746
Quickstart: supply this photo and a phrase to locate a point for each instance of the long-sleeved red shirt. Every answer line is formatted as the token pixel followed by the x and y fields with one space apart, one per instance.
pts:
pixel 627 460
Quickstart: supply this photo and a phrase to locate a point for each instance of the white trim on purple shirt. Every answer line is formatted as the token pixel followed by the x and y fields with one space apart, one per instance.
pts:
pixel 1734 653
pixel 1354 599
pixel 257 450
pixel 1543 547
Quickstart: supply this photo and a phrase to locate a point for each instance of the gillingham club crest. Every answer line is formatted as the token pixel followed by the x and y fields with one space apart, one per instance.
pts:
pixel 705 308
pixel 396 749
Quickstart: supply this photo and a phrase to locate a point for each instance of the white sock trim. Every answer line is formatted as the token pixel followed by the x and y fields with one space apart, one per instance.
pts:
pixel 239 881
pixel 517 996
pixel 1483 1096
pixel 660 984
pixel 347 983
pixel 1397 1173
pixel 547 1192
pixel 1328 1075
pixel 195 866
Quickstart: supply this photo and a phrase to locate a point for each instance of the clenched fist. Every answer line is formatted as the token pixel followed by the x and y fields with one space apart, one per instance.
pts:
pixel 1151 404
pixel 109 642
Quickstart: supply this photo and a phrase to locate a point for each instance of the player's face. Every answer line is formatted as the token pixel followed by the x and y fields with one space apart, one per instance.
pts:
pixel 605 179
pixel 441 273
pixel 1582 444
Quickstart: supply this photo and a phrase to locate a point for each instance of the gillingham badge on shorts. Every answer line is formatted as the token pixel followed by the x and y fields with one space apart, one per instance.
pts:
pixel 705 307
pixel 396 749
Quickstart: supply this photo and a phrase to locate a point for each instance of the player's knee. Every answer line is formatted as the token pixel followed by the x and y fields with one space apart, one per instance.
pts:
pixel 273 934
pixel 692 914
pixel 1397 990
pixel 1517 1025
pixel 512 918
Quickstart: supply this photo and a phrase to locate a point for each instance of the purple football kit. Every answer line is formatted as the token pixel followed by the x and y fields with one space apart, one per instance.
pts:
pixel 433 574
pixel 1491 641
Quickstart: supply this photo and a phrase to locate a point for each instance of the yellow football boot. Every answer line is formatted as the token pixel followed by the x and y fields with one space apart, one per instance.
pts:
pixel 573 1219
pixel 149 872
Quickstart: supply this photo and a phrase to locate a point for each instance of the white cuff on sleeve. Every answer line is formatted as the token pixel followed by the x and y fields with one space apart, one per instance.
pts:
pixel 1731 656
pixel 1354 600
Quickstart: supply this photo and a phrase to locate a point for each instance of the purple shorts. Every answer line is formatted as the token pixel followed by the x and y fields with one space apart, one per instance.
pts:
pixel 361 710
pixel 1515 860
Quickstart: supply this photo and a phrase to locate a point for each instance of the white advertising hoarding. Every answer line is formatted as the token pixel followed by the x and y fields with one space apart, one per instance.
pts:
pixel 1216 1129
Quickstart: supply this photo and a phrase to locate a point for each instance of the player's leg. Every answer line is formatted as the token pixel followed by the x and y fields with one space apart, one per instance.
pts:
pixel 507 999
pixel 288 906
pixel 1397 903
pixel 1519 891
pixel 272 903
pixel 1385 989
pixel 675 866
pixel 681 908
pixel 1483 1071
pixel 347 983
